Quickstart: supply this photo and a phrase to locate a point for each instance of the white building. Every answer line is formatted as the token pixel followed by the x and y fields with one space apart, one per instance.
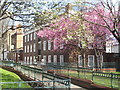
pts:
pixel 112 45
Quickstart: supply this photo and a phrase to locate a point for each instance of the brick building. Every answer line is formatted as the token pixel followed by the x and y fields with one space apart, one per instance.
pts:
pixel 30 46
pixel 48 54
pixel 76 57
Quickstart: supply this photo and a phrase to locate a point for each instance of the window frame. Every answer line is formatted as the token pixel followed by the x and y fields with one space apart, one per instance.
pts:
pixel 25 49
pixel 93 61
pixel 28 48
pixel 27 59
pixel 61 59
pixel 80 61
pixel 49 58
pixel 34 35
pixel 45 58
pixel 31 62
pixel 49 45
pixel 44 45
pixel 31 46
pixel 34 47
pixel 28 37
pixel 25 38
pixel 31 36
pixel 55 59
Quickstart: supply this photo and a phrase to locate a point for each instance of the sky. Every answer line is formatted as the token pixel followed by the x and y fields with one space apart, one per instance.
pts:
pixel 65 1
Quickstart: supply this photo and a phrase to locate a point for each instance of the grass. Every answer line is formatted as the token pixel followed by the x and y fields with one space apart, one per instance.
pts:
pixel 6 76
pixel 96 79
pixel 116 72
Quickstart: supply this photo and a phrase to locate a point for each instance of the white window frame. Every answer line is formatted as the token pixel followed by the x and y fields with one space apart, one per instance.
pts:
pixel 25 49
pixel 31 48
pixel 39 43
pixel 89 60
pixel 44 57
pixel 25 60
pixel 49 58
pixel 34 47
pixel 61 59
pixel 44 45
pixel 49 44
pixel 28 48
pixel 25 38
pixel 55 59
pixel 34 35
pixel 80 61
pixel 28 38
pixel 31 36
pixel 34 59
pixel 30 59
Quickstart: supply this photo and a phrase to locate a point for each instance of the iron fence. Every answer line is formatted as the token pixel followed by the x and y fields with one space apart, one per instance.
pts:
pixel 106 79
pixel 38 75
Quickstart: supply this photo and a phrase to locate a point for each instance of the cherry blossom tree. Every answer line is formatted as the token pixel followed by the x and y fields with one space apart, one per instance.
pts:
pixel 98 44
pixel 65 30
pixel 73 32
pixel 70 32
pixel 108 14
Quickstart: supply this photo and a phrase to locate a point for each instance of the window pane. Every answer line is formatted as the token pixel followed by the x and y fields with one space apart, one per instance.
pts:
pixel 34 47
pixel 49 45
pixel 28 37
pixel 44 60
pixel 31 36
pixel 91 60
pixel 31 60
pixel 34 35
pixel 49 58
pixel 25 38
pixel 55 59
pixel 61 60
pixel 44 45
pixel 80 60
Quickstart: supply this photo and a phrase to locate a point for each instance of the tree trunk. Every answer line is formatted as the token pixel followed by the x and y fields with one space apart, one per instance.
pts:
pixel 118 46
pixel 84 60
pixel 119 49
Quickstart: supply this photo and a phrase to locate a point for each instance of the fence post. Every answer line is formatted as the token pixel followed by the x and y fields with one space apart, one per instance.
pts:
pixel 42 75
pixel 111 79
pixel 29 72
pixel 68 72
pixel 53 84
pixel 34 75
pixel 92 76
pixel 84 73
pixel 69 83
pixel 118 82
pixel 78 73
pixel 19 85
